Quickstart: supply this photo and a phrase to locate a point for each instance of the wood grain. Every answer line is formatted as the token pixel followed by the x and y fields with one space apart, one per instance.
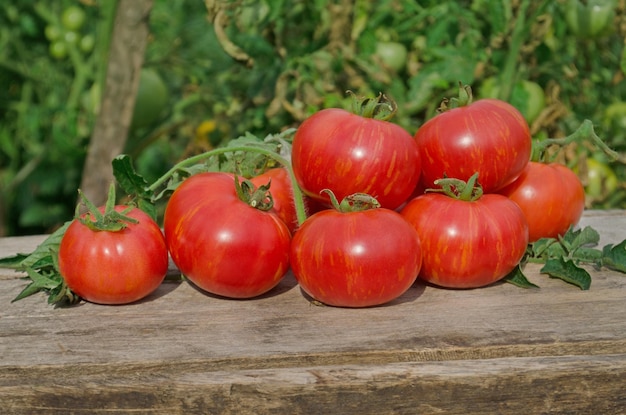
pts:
pixel 499 349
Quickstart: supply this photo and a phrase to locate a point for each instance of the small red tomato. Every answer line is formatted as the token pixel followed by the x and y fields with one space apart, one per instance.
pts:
pixel 551 196
pixel 351 153
pixel 355 259
pixel 221 243
pixel 467 244
pixel 487 136
pixel 114 267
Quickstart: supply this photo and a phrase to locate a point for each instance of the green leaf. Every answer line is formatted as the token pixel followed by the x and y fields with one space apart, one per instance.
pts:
pixel 581 237
pixel 41 256
pixel 517 278
pixel 131 182
pixel 39 282
pixel 614 257
pixel 567 271
pixel 13 262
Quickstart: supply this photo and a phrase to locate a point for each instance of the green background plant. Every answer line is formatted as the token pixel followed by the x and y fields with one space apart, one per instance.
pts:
pixel 214 73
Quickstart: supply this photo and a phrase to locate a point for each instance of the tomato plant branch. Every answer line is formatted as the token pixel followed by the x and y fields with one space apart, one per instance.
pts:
pixel 297 193
pixel 583 133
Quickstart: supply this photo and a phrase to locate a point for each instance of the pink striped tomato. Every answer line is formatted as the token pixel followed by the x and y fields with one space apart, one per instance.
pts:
pixel 467 243
pixel 220 242
pixel 488 136
pixel 355 153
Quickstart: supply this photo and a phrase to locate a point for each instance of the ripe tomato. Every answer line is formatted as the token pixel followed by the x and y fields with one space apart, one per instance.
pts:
pixel 349 153
pixel 551 197
pixel 114 267
pixel 355 259
pixel 488 136
pixel 282 195
pixel 222 244
pixel 467 244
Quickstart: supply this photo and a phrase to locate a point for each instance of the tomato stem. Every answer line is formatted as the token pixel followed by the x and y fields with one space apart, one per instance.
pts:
pixel 110 221
pixel 257 197
pixel 297 193
pixel 465 98
pixel 356 202
pixel 458 189
pixel 585 132
pixel 380 108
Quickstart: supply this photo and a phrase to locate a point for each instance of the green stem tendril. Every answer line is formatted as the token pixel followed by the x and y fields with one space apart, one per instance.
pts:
pixel 584 133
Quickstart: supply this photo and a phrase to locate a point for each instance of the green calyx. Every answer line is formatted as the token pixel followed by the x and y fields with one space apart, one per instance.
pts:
pixel 257 197
pixel 356 202
pixel 380 108
pixel 464 99
pixel 469 191
pixel 110 220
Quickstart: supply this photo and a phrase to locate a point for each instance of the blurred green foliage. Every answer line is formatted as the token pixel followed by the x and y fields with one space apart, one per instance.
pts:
pixel 215 70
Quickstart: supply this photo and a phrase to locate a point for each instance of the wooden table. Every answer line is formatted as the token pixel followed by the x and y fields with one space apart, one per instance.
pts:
pixel 494 350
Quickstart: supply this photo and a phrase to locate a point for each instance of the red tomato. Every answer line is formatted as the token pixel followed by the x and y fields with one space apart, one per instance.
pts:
pixel 222 244
pixel 551 196
pixel 488 136
pixel 348 153
pixel 282 194
pixel 467 244
pixel 114 267
pixel 355 259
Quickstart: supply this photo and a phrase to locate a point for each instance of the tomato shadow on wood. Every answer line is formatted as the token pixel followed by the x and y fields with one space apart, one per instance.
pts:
pixel 287 283
pixel 413 293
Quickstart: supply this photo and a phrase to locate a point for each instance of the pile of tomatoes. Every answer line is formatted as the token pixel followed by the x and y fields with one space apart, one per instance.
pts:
pixel 455 204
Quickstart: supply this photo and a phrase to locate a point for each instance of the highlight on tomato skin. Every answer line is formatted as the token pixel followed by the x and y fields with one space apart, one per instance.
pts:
pixel 551 196
pixel 467 244
pixel 118 267
pixel 356 259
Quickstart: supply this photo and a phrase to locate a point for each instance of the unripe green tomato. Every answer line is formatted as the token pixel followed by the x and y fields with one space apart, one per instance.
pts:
pixel 87 43
pixel 527 96
pixel 70 37
pixel 393 54
pixel 615 117
pixel 52 32
pixel 151 100
pixel 73 18
pixel 591 18
pixel 58 49
pixel 601 179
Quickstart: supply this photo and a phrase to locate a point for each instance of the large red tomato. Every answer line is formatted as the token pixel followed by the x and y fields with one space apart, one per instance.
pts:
pixel 551 196
pixel 349 153
pixel 467 244
pixel 487 136
pixel 355 259
pixel 114 267
pixel 221 243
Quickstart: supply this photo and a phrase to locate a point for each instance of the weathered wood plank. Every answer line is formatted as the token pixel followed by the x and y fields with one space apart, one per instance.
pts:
pixel 568 384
